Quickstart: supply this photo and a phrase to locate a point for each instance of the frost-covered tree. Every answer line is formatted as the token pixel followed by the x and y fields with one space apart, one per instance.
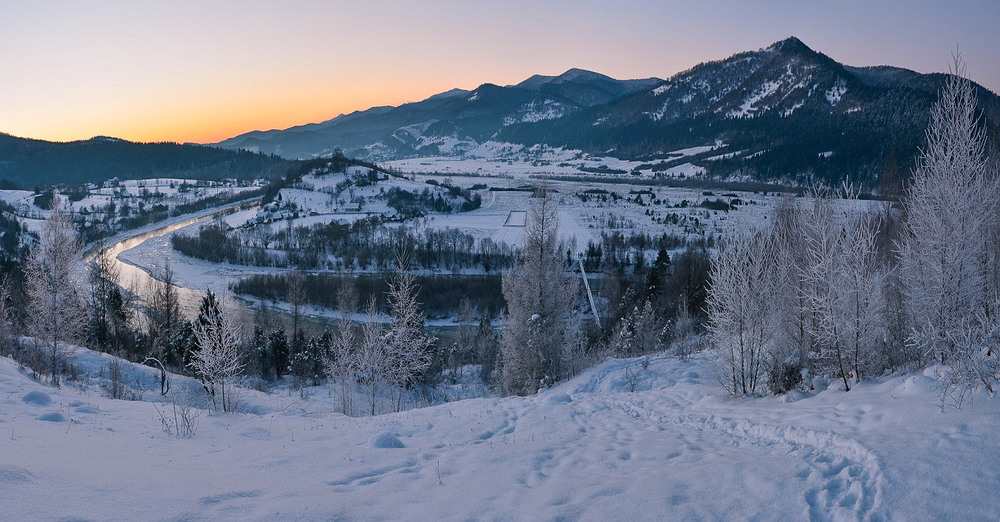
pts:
pixel 844 281
pixel 794 340
pixel 409 346
pixel 951 208
pixel 342 361
pixel 218 362
pixel 372 357
pixel 540 296
pixel 55 313
pixel 741 323
pixel 639 332
pixel 948 251
pixel 862 297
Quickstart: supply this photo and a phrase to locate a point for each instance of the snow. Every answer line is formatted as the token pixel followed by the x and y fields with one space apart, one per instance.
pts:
pixel 684 170
pixel 674 448
pixel 836 92
pixel 749 106
pixel 534 112
pixel 501 159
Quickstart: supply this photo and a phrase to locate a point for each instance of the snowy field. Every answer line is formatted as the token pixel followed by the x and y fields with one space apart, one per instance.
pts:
pixel 511 160
pixel 586 208
pixel 674 448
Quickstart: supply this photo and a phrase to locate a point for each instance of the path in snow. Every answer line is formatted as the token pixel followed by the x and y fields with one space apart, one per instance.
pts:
pixel 675 448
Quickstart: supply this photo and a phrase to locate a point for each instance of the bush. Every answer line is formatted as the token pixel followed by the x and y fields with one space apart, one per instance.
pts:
pixel 783 377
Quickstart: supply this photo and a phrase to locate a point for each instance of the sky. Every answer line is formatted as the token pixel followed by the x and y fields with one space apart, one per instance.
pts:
pixel 202 71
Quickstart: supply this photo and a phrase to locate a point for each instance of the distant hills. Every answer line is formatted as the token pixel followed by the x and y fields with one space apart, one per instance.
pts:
pixel 29 162
pixel 785 112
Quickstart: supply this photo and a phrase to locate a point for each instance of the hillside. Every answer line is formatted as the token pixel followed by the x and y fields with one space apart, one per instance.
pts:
pixel 35 162
pixel 782 113
pixel 620 441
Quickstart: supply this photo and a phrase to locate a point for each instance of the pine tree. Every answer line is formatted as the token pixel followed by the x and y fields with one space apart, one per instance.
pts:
pixel 409 347
pixel 537 330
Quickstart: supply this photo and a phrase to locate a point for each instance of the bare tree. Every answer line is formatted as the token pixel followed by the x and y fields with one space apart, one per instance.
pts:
pixel 55 312
pixel 540 295
pixel 296 297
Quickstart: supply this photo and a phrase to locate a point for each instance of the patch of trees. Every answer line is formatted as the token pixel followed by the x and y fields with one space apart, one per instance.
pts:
pixel 854 296
pixel 365 244
pixel 439 295
pixel 617 250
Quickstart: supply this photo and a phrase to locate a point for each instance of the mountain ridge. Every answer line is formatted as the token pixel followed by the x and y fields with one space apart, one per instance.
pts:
pixel 32 162
pixel 785 113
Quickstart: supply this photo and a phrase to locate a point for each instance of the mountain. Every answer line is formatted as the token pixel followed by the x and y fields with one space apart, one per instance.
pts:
pixel 448 123
pixel 35 162
pixel 784 112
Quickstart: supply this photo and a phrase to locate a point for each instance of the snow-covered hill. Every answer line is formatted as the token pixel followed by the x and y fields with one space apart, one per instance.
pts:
pixel 622 441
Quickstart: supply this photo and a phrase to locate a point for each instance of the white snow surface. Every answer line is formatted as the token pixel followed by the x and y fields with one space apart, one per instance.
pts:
pixel 750 105
pixel 675 448
pixel 836 93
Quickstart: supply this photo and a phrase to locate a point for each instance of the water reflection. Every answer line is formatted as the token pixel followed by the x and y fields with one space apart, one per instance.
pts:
pixel 139 280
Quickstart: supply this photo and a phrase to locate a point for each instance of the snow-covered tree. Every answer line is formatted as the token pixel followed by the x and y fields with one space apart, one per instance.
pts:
pixel 537 329
pixel 55 313
pixel 639 332
pixel 844 282
pixel 372 357
pixel 948 216
pixel 342 361
pixel 409 347
pixel 741 316
pixel 946 259
pixel 218 362
pixel 794 340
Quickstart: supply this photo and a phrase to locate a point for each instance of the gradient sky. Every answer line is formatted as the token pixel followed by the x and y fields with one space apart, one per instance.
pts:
pixel 203 71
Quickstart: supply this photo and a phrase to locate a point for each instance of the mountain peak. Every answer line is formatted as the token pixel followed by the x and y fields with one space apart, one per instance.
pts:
pixel 790 44
pixel 573 75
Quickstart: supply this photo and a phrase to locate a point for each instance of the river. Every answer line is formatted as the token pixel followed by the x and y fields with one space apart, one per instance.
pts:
pixel 139 279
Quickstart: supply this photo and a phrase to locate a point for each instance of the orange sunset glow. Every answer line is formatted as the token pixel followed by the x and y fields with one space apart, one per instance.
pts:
pixel 190 72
